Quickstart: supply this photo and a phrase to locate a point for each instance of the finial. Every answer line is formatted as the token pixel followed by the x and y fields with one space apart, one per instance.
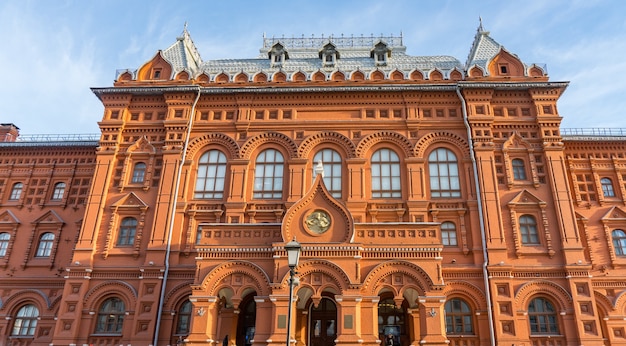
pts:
pixel 480 24
pixel 185 29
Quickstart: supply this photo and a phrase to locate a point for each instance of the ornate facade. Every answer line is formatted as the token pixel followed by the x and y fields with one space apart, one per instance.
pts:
pixel 437 203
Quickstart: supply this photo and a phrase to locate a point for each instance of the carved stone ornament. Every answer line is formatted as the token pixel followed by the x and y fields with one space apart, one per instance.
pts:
pixel 318 221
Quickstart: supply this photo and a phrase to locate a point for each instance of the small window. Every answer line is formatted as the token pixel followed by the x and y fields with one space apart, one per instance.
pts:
pixel 139 173
pixel 199 235
pixel 156 73
pixel 4 243
pixel 128 228
pixel 59 191
pixel 619 242
pixel 386 174
pixel 519 171
pixel 528 230
pixel 607 187
pixel 46 241
pixel 16 191
pixel 458 317
pixel 504 69
pixel 184 319
pixel 448 234
pixel 25 321
pixel 542 317
pixel 111 317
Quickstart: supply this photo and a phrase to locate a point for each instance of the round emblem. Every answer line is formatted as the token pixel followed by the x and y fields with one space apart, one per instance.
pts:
pixel 318 221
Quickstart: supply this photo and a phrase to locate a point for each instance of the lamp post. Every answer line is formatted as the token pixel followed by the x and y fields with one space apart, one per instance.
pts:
pixel 293 256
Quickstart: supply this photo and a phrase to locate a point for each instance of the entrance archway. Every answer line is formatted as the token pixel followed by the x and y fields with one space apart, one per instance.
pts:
pixel 393 320
pixel 323 323
pixel 247 321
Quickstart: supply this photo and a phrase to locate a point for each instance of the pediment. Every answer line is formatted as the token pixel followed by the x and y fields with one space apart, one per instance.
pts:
pixel 131 200
pixel 525 197
pixel 50 218
pixel 142 145
pixel 516 141
pixel 8 218
pixel 614 214
pixel 318 218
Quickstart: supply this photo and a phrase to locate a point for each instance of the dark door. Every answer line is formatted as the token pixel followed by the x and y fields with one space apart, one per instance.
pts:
pixel 323 326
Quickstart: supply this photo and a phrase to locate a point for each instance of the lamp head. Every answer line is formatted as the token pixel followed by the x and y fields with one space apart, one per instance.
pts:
pixel 293 253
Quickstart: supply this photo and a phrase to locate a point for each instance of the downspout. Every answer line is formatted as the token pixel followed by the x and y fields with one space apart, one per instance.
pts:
pixel 481 219
pixel 170 230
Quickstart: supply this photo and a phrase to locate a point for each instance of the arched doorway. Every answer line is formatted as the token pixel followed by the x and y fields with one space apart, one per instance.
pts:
pixel 392 320
pixel 323 323
pixel 246 322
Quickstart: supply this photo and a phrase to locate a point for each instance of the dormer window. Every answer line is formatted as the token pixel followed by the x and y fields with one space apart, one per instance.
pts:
pixel 380 53
pixel 329 54
pixel 278 55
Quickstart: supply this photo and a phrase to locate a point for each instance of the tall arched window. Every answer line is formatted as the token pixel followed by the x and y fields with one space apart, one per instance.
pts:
pixel 458 317
pixel 386 174
pixel 448 233
pixel 25 321
pixel 111 317
pixel 139 173
pixel 184 318
pixel 128 229
pixel 542 317
pixel 331 160
pixel 607 187
pixel 211 175
pixel 528 230
pixel 4 243
pixel 519 171
pixel 444 173
pixel 619 242
pixel 268 175
pixel 46 241
pixel 59 191
pixel 16 191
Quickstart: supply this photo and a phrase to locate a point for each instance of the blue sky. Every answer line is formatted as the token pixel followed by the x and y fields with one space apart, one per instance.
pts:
pixel 54 51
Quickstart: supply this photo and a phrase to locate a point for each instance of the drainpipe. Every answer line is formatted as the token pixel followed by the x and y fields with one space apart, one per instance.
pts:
pixel 170 230
pixel 481 219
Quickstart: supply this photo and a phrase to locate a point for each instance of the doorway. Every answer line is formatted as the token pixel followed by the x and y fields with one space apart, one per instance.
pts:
pixel 323 323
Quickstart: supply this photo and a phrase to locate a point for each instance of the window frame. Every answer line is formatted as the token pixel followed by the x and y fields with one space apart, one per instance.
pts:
pixel 452 314
pixel 528 236
pixel 269 172
pixel 518 168
pixel 212 170
pixel 450 234
pixel 183 318
pixel 127 232
pixel 5 239
pixel 333 170
pixel 386 170
pixel 25 325
pixel 111 317
pixel 59 191
pixel 436 165
pixel 607 187
pixel 139 173
pixel 44 246
pixel 16 191
pixel 542 319
pixel 619 242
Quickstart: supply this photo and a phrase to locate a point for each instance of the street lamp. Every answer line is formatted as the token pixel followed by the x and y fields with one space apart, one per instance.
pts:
pixel 293 256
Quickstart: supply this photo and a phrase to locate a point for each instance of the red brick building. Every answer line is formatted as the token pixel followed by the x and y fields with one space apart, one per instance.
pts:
pixel 452 208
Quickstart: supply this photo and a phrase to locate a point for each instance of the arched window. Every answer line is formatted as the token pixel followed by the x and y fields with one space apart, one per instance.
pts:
pixel 519 171
pixel 528 230
pixel 448 233
pixel 46 241
pixel 458 317
pixel 211 175
pixel 444 173
pixel 619 242
pixel 542 317
pixel 331 160
pixel 25 321
pixel 184 319
pixel 111 317
pixel 268 175
pixel 16 191
pixel 139 173
pixel 128 229
pixel 4 243
pixel 59 191
pixel 386 174
pixel 607 187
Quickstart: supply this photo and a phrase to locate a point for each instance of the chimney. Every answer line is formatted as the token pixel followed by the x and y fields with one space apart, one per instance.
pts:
pixel 9 132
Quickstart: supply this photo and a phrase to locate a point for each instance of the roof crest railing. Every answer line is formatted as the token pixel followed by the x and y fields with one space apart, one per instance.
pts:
pixel 339 41
pixel 591 131
pixel 58 137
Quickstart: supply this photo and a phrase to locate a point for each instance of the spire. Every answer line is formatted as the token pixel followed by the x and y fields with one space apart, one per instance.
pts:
pixel 480 25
